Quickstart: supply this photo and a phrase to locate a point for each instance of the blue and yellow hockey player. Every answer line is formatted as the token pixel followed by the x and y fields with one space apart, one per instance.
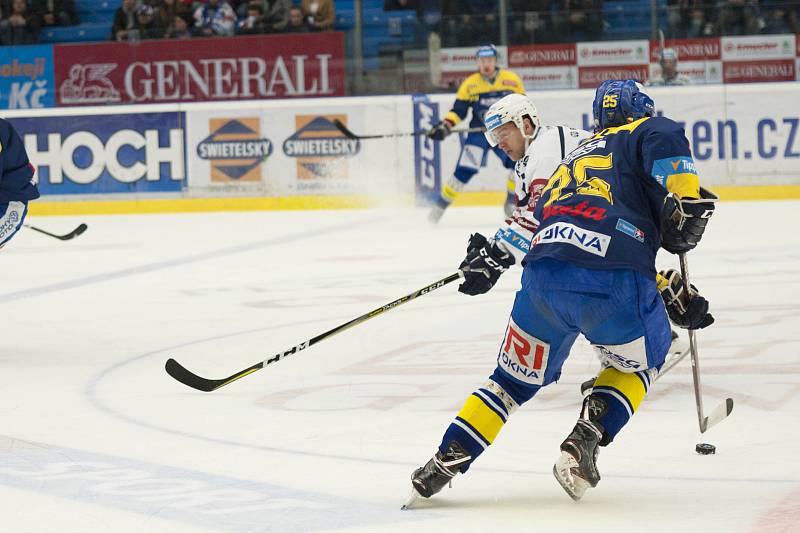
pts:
pixel 17 182
pixel 479 91
pixel 612 202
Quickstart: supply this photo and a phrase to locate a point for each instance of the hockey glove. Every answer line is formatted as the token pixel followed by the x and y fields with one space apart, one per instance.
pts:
pixel 683 221
pixel 440 130
pixel 483 265
pixel 688 312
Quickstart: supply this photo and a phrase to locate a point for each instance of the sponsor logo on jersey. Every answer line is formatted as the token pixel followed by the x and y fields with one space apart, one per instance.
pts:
pixel 513 238
pixel 563 232
pixel 235 148
pixel 630 230
pixel 672 166
pixel 320 148
pixel 523 356
pixel 580 210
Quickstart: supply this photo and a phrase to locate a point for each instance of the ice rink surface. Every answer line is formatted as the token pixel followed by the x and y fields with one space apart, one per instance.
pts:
pixel 95 436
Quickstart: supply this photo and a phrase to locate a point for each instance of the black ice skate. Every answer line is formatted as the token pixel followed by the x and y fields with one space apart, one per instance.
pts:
pixel 438 472
pixel 576 468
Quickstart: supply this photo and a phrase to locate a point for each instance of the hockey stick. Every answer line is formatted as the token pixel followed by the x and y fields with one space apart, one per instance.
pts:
pixel 672 360
pixel 180 373
pixel 71 235
pixel 350 135
pixel 723 409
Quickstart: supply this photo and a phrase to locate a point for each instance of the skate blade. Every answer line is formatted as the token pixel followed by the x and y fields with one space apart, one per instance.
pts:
pixel 412 499
pixel 573 485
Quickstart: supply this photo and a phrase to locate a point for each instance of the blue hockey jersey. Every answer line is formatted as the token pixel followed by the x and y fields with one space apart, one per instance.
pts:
pixel 17 181
pixel 602 206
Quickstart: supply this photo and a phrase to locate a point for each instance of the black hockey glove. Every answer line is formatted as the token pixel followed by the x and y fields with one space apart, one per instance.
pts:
pixel 440 131
pixel 686 312
pixel 683 221
pixel 483 265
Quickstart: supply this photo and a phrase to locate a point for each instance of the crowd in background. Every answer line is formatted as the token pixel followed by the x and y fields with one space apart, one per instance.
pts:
pixel 21 20
pixel 183 19
pixel 458 22
pixel 554 21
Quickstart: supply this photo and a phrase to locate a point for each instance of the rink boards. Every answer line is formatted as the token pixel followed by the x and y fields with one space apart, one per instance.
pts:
pixel 288 154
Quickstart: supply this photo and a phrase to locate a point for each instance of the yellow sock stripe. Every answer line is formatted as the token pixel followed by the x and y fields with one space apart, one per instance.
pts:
pixel 629 385
pixel 481 417
pixel 449 193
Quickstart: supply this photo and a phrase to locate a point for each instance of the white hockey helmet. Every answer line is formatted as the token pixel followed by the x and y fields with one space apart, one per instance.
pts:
pixel 510 108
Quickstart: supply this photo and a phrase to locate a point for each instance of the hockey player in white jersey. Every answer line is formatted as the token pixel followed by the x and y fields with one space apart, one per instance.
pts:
pixel 513 124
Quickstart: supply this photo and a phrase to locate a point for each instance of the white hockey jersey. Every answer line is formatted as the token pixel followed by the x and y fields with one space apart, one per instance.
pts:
pixel 549 146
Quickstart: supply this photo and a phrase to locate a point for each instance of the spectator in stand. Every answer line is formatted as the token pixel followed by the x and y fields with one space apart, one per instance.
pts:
pixel 582 20
pixel 780 16
pixel 180 27
pixel 55 12
pixel 739 17
pixel 319 14
pixel 216 18
pixel 464 21
pixel 167 10
pixel 530 21
pixel 277 15
pixel 297 22
pixel 20 27
pixel 146 25
pixel 403 5
pixel 124 20
pixel 254 23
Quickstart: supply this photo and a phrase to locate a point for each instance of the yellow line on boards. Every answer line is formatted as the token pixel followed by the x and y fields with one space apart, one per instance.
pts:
pixel 726 193
pixel 199 205
pixel 195 205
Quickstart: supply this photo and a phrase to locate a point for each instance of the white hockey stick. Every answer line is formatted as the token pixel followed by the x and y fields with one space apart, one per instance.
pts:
pixel 723 409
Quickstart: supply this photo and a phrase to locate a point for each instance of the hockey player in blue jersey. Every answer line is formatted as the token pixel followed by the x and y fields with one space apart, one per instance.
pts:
pixel 476 93
pixel 612 202
pixel 17 182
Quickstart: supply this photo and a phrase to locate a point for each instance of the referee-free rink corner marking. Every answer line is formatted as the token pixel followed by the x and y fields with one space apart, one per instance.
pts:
pixel 293 203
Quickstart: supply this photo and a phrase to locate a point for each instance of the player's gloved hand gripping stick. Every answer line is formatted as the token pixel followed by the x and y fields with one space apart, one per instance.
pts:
pixel 683 222
pixel 180 373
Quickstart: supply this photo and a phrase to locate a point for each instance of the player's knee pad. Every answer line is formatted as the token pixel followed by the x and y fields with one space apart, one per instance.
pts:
pixel 12 216
pixel 628 357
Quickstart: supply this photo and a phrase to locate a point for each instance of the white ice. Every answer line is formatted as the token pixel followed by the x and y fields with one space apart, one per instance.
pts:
pixel 95 436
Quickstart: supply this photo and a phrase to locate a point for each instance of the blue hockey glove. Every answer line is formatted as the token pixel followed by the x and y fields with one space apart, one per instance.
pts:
pixel 440 131
pixel 483 265
pixel 687 312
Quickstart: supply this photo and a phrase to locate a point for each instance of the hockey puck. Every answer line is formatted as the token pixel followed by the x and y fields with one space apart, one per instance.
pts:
pixel 705 449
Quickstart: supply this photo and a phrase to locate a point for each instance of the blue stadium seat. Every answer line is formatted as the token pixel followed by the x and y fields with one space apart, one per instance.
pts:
pixel 88 31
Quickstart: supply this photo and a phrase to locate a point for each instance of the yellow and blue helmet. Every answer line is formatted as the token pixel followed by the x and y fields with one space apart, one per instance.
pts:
pixel 620 102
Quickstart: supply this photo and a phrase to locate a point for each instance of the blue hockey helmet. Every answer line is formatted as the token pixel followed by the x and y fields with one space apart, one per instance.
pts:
pixel 620 102
pixel 487 50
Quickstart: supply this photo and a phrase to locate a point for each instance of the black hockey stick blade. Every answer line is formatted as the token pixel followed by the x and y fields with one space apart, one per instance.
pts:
pixel 719 414
pixel 190 379
pixel 71 235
